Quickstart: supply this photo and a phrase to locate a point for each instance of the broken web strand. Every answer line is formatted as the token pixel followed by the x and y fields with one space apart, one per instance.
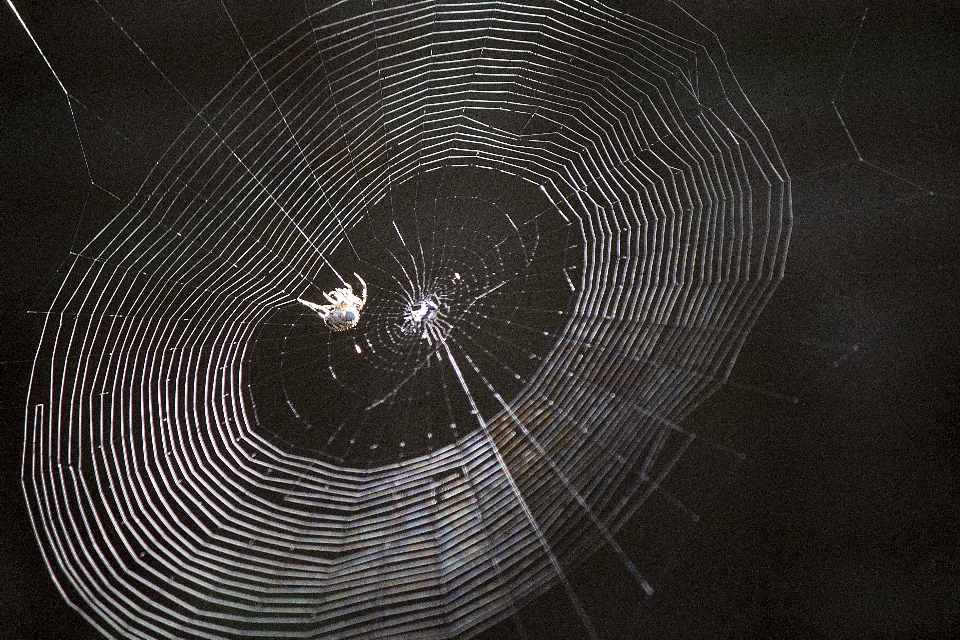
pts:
pixel 923 190
pixel 846 156
pixel 462 113
pixel 571 594
pixel 602 528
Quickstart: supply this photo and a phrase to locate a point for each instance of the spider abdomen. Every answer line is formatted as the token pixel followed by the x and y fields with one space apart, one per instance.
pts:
pixel 342 319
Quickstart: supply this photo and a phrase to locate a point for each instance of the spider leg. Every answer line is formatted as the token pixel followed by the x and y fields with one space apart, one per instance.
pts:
pixel 321 309
pixel 363 298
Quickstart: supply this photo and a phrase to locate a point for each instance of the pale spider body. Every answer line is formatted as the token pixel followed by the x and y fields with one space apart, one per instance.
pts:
pixel 344 309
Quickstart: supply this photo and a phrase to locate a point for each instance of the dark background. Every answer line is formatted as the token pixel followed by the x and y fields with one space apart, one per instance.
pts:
pixel 843 520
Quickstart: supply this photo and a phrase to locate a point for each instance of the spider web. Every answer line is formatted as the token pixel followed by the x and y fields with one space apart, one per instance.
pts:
pixel 568 218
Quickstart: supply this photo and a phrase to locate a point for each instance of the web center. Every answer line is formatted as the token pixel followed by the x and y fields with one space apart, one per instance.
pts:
pixel 423 317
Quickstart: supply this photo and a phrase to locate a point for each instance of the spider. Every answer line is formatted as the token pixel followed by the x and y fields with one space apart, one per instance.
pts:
pixel 344 309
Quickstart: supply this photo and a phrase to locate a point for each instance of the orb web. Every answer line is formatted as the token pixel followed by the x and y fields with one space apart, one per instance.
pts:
pixel 568 218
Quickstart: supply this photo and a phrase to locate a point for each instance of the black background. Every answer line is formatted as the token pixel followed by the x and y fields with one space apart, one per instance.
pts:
pixel 842 521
